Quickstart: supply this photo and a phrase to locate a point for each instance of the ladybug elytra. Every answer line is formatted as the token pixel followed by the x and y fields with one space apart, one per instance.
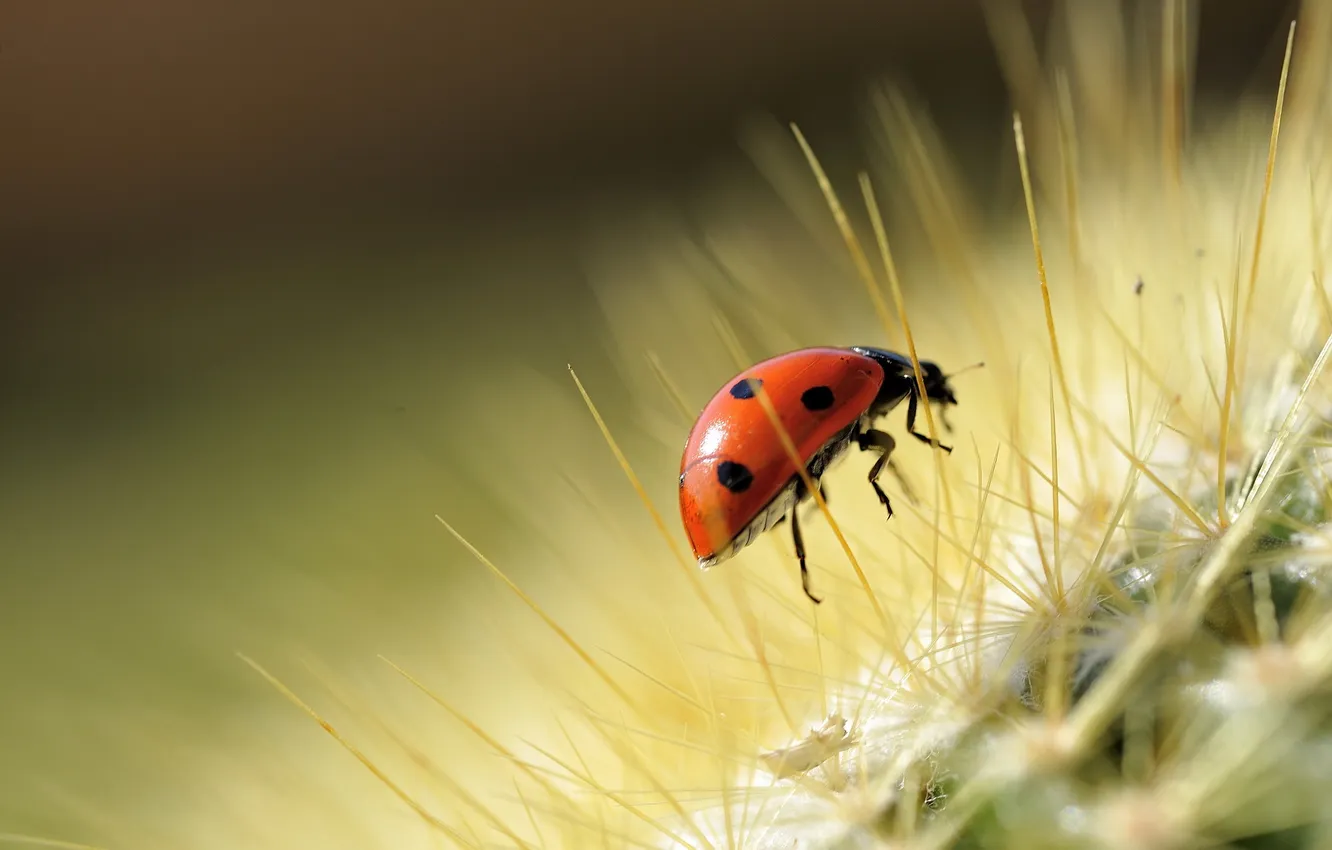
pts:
pixel 737 480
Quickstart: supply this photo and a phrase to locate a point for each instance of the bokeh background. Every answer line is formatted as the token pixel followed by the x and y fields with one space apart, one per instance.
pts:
pixel 283 280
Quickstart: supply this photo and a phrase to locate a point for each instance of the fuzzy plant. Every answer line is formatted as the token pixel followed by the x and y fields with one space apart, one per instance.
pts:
pixel 1103 621
pixel 1133 645
pixel 1106 620
pixel 1111 625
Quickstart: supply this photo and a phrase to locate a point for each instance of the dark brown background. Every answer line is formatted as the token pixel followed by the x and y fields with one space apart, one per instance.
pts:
pixel 128 123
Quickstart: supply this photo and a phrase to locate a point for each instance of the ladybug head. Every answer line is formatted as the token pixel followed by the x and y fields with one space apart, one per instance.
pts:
pixel 936 383
pixel 900 376
pixel 900 384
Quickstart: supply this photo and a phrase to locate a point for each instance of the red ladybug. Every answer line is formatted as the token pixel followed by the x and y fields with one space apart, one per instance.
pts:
pixel 736 478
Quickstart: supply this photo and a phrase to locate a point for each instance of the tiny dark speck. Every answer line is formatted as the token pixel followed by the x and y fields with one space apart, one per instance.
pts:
pixel 1137 287
pixel 735 477
pixel 745 388
pixel 817 398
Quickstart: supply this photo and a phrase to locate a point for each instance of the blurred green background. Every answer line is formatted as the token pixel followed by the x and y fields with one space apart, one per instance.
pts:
pixel 282 280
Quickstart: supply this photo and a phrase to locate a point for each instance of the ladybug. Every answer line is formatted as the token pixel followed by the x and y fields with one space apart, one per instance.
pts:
pixel 737 479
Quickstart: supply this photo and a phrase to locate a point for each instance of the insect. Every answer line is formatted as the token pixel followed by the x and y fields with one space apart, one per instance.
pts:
pixel 737 479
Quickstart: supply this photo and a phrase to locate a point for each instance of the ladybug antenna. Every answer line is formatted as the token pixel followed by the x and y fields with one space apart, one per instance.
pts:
pixel 952 375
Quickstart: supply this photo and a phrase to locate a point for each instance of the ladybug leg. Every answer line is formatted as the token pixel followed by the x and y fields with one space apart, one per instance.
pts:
pixel 901 480
pixel 807 503
pixel 823 491
pixel 879 441
pixel 912 405
pixel 800 556
pixel 811 505
pixel 875 471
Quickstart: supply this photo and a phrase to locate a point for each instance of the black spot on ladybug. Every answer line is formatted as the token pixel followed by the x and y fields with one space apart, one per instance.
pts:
pixel 735 477
pixel 817 398
pixel 745 388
